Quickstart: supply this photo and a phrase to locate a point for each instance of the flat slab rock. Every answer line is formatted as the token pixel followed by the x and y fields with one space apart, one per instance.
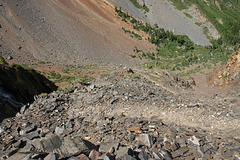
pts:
pixel 64 125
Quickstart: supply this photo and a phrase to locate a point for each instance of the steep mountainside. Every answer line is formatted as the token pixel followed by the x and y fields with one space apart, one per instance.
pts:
pixel 166 16
pixel 107 110
pixel 75 31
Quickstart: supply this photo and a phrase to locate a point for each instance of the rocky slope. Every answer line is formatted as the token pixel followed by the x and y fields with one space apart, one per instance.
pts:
pixel 18 86
pixel 74 31
pixel 122 116
pixel 166 16
pixel 227 74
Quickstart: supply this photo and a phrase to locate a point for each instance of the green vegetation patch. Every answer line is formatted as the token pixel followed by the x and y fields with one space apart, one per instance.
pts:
pixel 23 66
pixel 2 60
pixel 137 5
pixel 132 33
pixel 188 15
pixel 176 52
pixel 228 12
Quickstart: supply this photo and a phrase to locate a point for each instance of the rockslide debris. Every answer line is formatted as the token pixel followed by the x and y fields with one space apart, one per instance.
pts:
pixel 87 122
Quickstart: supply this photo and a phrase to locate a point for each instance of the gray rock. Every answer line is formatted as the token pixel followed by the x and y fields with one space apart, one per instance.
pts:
pixel 1 130
pixel 194 140
pixel 50 143
pixel 59 131
pixel 181 141
pixel 106 147
pixel 161 154
pixel 143 155
pixel 180 152
pixel 145 139
pixel 76 158
pixel 30 128
pixel 20 156
pixel 123 151
pixel 27 148
pixel 126 157
pixel 71 147
pixel 17 144
pixel 51 156
pixel 9 58
pixel 34 134
pixel 91 87
pixel 23 109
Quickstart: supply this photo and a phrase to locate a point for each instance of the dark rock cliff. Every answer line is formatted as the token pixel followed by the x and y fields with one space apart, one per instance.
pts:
pixel 20 85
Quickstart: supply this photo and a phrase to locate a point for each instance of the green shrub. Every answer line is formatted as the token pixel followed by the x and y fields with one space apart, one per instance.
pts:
pixel 137 5
pixel 2 60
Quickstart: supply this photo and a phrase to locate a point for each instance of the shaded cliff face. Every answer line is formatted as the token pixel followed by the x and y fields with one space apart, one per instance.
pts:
pixel 228 73
pixel 24 84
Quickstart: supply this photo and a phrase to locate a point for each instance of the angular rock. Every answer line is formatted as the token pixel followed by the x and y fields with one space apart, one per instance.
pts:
pixel 81 157
pixel 135 129
pixel 50 143
pixel 94 154
pixel 126 157
pixel 161 154
pixel 108 146
pixel 59 131
pixel 20 156
pixel 75 158
pixel 51 156
pixel 180 152
pixel 143 155
pixel 145 139
pixel 71 147
pixel 32 135
pixel 1 130
pixel 123 152
pixel 194 140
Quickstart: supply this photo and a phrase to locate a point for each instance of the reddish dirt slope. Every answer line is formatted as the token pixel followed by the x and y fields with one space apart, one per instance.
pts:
pixel 65 31
pixel 228 73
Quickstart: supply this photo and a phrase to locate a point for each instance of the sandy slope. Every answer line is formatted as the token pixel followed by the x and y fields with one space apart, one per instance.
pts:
pixel 60 31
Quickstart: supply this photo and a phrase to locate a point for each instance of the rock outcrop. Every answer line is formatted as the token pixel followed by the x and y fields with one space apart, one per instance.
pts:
pixel 228 73
pixel 18 86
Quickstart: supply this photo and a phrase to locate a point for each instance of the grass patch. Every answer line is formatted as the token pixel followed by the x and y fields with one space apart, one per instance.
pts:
pixel 188 15
pixel 104 74
pixel 74 79
pixel 67 88
pixel 54 75
pixel 23 66
pixel 198 23
pixel 43 95
pixel 2 60
pixel 135 75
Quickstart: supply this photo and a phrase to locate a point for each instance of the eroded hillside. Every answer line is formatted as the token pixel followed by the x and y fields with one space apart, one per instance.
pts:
pixel 58 31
